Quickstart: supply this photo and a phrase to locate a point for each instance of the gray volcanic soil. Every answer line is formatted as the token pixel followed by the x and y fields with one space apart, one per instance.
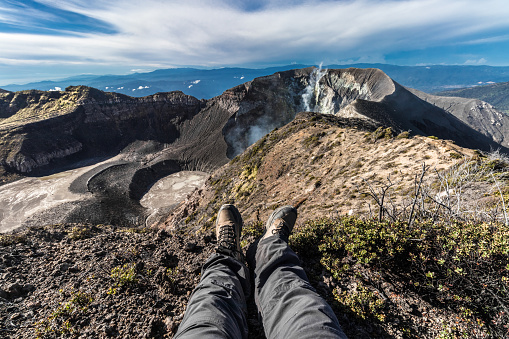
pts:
pixel 23 202
pixel 168 132
pixel 66 195
pixel 168 192
pixel 72 265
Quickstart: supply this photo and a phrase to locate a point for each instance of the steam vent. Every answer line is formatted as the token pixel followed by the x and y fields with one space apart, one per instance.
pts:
pixel 108 203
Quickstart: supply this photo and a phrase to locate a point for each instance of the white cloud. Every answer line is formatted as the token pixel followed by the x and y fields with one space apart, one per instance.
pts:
pixel 481 61
pixel 193 83
pixel 156 33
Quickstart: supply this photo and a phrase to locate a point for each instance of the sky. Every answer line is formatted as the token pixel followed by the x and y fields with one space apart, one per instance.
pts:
pixel 53 39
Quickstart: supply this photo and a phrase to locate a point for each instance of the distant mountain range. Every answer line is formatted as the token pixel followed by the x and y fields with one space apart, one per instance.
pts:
pixel 205 84
pixel 495 94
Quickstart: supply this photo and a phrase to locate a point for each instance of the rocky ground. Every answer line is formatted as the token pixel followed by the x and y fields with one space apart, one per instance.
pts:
pixel 96 281
pixel 85 281
pixel 76 280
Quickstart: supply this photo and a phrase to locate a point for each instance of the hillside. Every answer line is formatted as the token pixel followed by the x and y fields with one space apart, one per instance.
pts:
pixel 495 94
pixel 40 128
pixel 389 270
pixel 127 144
pixel 322 163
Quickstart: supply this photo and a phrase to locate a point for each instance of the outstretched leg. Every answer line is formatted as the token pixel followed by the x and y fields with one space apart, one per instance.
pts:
pixel 288 304
pixel 217 308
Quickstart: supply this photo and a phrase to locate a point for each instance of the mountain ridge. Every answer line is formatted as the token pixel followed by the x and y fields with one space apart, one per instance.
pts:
pixel 316 162
pixel 155 136
pixel 205 83
pixel 495 94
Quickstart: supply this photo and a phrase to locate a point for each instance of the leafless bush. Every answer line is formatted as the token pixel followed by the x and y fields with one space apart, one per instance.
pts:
pixel 497 155
pixel 469 190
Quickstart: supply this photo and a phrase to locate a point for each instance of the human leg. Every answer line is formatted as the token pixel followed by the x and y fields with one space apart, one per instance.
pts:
pixel 217 308
pixel 288 304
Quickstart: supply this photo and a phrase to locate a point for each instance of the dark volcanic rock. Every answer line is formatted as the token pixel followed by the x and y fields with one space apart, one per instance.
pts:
pixel 157 135
pixel 85 122
pixel 45 292
pixel 44 128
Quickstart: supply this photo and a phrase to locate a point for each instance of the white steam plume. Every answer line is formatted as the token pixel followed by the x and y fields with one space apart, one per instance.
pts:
pixel 311 93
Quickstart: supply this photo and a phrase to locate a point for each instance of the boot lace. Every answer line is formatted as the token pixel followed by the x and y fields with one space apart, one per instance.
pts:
pixel 227 238
pixel 281 228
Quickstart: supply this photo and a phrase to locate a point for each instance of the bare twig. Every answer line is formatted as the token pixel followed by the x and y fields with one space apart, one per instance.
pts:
pixel 418 189
pixel 501 198
pixel 380 197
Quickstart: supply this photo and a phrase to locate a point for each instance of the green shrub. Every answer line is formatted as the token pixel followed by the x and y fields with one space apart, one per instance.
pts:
pixel 250 232
pixel 62 321
pixel 10 239
pixel 463 264
pixel 383 133
pixel 313 140
pixel 80 232
pixel 124 275
pixel 455 155
pixel 403 135
pixel 362 302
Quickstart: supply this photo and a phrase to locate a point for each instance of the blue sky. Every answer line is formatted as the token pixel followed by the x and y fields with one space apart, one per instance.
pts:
pixel 51 39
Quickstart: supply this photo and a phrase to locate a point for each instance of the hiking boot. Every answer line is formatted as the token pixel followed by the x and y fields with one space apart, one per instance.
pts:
pixel 281 222
pixel 228 228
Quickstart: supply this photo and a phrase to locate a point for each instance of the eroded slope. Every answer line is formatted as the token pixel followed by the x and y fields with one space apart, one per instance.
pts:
pixel 320 162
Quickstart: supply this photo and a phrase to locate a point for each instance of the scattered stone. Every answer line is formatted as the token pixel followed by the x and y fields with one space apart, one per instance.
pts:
pixel 28 288
pixel 39 286
pixel 34 304
pixel 16 316
pixel 14 290
pixel 162 234
pixel 190 247
pixel 109 330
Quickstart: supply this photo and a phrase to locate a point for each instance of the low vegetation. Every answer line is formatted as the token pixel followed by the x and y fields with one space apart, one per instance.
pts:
pixel 63 320
pixel 456 266
pixel 446 247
